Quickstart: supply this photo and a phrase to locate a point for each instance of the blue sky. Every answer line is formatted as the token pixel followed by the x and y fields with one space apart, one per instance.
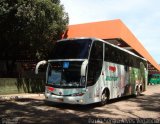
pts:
pixel 142 17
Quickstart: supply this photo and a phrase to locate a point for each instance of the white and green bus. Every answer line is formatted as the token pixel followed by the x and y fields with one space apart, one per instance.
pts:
pixel 90 70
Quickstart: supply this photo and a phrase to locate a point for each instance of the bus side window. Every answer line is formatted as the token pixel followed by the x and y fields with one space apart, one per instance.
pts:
pixel 126 60
pixel 121 58
pixel 95 62
pixel 97 51
pixel 109 53
pixel 117 56
pixel 106 57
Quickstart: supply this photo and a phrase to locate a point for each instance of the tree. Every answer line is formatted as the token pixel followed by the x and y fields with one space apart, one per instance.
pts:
pixel 28 29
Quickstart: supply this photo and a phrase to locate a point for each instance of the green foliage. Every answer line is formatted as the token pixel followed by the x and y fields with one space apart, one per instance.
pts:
pixel 30 27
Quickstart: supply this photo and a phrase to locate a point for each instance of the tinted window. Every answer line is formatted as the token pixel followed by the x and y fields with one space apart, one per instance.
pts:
pixel 115 55
pixel 111 54
pixel 71 49
pixel 95 63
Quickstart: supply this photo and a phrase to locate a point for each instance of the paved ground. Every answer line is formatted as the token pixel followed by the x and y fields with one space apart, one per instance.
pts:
pixel 30 108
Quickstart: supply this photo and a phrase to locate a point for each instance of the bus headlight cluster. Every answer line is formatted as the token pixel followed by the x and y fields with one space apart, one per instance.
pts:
pixel 80 101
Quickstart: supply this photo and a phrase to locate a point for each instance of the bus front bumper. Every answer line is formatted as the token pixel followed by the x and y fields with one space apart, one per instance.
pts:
pixel 65 99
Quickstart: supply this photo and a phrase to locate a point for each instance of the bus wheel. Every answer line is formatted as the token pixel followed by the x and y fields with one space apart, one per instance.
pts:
pixel 104 98
pixel 137 93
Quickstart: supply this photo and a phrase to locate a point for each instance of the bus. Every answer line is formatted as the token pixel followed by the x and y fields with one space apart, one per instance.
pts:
pixel 91 70
pixel 154 79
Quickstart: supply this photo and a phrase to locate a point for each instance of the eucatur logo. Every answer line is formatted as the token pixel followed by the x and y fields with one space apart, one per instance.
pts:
pixel 112 68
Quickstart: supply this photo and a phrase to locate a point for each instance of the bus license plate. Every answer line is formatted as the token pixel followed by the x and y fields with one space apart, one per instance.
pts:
pixel 59 100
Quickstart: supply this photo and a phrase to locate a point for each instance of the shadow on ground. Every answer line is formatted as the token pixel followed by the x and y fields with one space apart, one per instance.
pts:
pixel 36 111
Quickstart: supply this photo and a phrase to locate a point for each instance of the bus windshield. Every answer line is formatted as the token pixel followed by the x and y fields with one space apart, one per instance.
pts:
pixel 71 49
pixel 65 74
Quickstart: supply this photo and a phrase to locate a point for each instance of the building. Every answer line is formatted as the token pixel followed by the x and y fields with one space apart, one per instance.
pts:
pixel 118 34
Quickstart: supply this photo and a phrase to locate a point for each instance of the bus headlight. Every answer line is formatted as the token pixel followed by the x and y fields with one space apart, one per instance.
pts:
pixel 81 101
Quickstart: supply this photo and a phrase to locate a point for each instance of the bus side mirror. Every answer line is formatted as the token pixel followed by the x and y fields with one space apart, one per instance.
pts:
pixel 38 64
pixel 83 67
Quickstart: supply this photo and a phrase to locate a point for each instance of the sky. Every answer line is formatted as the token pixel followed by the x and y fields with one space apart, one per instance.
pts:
pixel 142 17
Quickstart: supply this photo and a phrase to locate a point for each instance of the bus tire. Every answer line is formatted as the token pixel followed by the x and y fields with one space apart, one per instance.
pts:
pixel 141 89
pixel 104 97
pixel 137 93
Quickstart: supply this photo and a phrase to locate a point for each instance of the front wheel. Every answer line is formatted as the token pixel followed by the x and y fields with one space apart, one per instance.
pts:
pixel 104 98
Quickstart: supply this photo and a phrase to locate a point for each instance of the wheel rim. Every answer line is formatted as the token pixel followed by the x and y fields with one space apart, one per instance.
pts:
pixel 137 91
pixel 103 98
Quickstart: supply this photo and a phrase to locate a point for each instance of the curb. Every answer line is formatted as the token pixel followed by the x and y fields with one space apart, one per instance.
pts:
pixel 19 96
